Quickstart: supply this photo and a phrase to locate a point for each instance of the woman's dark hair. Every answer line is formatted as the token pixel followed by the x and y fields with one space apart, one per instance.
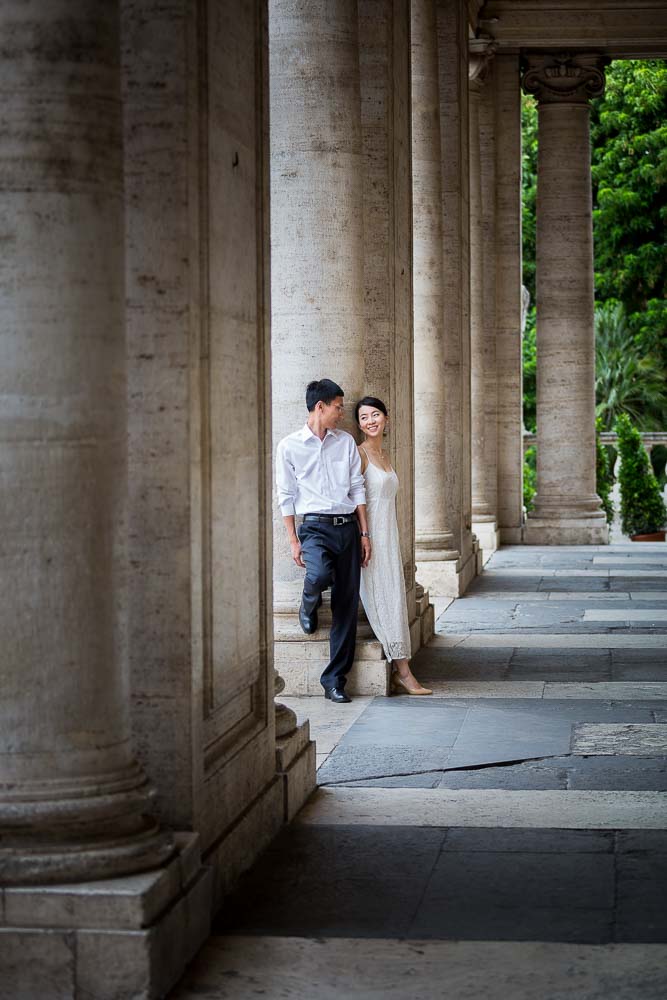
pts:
pixel 322 390
pixel 373 401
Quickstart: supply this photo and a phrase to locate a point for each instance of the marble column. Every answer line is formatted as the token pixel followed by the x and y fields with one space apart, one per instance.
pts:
pixel 508 295
pixel 482 325
pixel 74 804
pixel 567 508
pixel 317 274
pixel 452 36
pixel 384 45
pixel 435 553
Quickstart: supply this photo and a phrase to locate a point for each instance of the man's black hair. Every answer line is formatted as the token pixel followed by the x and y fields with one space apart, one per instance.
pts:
pixel 323 390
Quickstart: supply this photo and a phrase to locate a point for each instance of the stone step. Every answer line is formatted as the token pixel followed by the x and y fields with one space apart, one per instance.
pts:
pixel 286 628
pixel 300 664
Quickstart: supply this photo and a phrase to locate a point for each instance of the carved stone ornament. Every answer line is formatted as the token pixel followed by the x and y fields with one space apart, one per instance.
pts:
pixel 564 77
pixel 480 54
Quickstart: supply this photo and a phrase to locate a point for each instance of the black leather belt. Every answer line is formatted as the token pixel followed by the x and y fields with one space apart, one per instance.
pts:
pixel 331 518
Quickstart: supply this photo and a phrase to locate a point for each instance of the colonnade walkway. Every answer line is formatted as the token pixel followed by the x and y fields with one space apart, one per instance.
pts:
pixel 503 839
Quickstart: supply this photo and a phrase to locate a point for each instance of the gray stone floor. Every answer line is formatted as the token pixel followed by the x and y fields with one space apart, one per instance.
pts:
pixel 524 804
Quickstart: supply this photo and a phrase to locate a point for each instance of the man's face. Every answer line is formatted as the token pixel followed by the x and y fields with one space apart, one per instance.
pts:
pixel 332 413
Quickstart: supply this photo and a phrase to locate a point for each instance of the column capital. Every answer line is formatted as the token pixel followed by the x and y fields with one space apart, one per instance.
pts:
pixel 480 54
pixel 564 77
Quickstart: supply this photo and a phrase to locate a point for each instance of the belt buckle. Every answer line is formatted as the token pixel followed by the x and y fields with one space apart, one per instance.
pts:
pixel 338 520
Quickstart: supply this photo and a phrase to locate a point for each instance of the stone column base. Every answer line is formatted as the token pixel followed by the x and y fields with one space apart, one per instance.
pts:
pixel 447 578
pixel 549 531
pixel 425 617
pixel 114 939
pixel 296 767
pixel 488 537
pixel 511 536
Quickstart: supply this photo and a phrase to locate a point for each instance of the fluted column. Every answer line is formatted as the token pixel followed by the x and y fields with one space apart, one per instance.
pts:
pixel 384 59
pixel 567 508
pixel 73 802
pixel 317 268
pixel 452 36
pixel 482 332
pixel 317 258
pixel 508 296
pixel 436 554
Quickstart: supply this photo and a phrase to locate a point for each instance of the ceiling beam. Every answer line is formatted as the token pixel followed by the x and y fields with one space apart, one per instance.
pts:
pixel 617 28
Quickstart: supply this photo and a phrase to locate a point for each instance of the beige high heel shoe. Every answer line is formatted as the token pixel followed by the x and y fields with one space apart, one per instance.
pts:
pixel 399 686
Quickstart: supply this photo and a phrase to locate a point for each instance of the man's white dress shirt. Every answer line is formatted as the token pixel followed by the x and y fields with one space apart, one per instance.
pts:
pixel 319 477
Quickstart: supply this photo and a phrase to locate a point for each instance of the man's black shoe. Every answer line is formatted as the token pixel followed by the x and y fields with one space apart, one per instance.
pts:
pixel 309 622
pixel 337 694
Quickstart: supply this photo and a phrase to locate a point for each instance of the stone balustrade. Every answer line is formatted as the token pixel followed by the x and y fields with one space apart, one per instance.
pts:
pixel 650 439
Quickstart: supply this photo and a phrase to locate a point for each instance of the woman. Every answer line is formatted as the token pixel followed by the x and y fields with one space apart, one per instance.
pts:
pixel 382 586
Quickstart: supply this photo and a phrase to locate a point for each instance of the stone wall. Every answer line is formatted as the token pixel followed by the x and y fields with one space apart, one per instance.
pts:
pixel 195 89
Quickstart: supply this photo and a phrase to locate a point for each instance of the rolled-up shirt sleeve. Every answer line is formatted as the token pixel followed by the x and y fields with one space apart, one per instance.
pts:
pixel 357 485
pixel 285 481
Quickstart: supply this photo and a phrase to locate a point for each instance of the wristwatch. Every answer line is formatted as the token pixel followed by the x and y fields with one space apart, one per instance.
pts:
pixel 365 534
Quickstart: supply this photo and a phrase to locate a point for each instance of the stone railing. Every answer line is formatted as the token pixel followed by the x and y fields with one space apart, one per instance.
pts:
pixel 650 440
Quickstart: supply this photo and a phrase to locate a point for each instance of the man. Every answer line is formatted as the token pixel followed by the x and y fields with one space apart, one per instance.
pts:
pixel 318 473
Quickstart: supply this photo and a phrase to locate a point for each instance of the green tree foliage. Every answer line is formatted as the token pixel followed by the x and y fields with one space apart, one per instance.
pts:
pixel 529 477
pixel 642 507
pixel 604 475
pixel 529 359
pixel 627 379
pixel 528 189
pixel 629 169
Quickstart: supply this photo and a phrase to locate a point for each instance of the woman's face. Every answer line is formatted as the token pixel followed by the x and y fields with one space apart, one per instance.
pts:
pixel 372 421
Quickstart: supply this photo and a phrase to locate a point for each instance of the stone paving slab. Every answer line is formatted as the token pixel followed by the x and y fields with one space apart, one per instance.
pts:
pixel 391 721
pixel 626 615
pixel 565 773
pixel 639 664
pixel 408 737
pixel 569 772
pixel 359 763
pixel 548 884
pixel 648 586
pixel 584 810
pixel 636 573
pixel 641 740
pixel 592 665
pixel 402 737
pixel 607 690
pixel 552 585
pixel 485 689
pixel 568 641
pixel 652 558
pixel 241 968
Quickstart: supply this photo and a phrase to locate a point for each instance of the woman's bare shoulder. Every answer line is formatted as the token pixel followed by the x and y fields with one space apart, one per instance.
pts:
pixel 363 456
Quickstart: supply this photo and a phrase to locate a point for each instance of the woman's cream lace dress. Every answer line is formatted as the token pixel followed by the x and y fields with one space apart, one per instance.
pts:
pixel 382 584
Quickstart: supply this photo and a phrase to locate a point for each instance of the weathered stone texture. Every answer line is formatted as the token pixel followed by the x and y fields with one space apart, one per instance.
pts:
pixel 67 777
pixel 453 89
pixel 434 541
pixel 567 509
pixel 507 99
pixel 317 273
pixel 384 43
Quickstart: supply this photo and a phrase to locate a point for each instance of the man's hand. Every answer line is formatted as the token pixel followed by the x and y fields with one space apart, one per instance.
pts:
pixel 365 552
pixel 295 546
